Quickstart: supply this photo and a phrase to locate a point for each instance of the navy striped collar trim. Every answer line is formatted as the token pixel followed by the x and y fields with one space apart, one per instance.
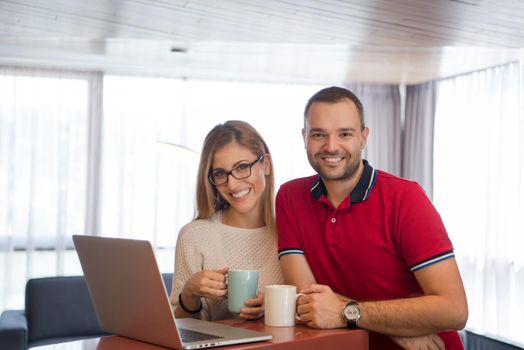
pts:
pixel 360 193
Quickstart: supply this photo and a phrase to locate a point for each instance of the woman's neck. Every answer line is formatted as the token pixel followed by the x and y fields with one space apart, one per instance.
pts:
pixel 242 220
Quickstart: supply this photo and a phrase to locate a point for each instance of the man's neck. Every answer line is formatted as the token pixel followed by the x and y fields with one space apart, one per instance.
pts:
pixel 338 190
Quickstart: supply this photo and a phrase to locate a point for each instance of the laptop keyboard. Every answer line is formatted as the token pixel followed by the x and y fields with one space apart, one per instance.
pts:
pixel 188 335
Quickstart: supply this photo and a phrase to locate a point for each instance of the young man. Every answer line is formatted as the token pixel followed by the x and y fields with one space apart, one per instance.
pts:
pixel 367 248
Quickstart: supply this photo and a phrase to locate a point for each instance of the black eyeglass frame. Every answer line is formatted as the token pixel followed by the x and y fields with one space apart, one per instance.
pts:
pixel 230 172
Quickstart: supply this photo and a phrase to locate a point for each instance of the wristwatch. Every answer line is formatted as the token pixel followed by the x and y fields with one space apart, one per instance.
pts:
pixel 351 314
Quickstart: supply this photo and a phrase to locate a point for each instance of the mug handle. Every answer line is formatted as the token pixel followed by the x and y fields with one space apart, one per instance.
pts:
pixel 297 317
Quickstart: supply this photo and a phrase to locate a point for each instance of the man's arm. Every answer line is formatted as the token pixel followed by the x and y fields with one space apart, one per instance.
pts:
pixel 296 271
pixel 442 307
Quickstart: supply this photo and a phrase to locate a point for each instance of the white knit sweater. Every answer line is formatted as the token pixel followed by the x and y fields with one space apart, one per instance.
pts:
pixel 209 245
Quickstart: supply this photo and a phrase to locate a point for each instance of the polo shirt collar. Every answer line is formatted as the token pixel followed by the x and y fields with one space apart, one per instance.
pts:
pixel 360 193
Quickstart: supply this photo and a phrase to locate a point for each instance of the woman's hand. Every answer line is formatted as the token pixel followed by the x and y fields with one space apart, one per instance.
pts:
pixel 206 284
pixel 254 309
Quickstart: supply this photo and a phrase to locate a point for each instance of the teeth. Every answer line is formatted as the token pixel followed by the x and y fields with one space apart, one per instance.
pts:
pixel 332 159
pixel 240 194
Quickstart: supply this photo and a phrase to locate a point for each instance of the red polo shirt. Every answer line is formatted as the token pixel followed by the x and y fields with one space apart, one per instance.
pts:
pixel 368 247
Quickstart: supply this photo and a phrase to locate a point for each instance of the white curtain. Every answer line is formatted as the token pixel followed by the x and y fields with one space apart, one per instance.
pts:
pixel 417 150
pixel 382 115
pixel 43 173
pixel 146 191
pixel 479 191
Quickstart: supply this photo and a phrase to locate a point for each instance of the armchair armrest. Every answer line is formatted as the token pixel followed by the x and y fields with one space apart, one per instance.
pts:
pixel 13 330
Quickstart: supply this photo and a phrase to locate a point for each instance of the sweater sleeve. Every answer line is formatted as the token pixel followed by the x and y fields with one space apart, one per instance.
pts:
pixel 188 261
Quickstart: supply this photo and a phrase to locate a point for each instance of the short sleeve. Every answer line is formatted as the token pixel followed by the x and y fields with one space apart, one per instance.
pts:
pixel 421 235
pixel 289 241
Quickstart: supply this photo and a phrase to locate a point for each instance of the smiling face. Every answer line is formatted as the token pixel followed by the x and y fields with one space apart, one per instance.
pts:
pixel 334 139
pixel 243 195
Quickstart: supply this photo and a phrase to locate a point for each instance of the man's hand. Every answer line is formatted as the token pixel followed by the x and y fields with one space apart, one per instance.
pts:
pixel 320 307
pixel 425 342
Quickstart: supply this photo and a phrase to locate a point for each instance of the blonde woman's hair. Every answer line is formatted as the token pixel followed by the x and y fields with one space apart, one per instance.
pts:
pixel 208 200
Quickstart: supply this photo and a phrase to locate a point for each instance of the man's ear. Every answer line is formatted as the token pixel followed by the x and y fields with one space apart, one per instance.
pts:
pixel 304 137
pixel 365 134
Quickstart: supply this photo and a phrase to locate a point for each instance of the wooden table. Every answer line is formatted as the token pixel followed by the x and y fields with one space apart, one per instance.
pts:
pixel 299 337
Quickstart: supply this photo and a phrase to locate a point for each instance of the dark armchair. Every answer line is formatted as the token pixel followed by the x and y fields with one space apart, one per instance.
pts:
pixel 57 309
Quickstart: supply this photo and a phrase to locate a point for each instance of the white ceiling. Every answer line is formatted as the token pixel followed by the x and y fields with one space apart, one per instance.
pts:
pixel 292 41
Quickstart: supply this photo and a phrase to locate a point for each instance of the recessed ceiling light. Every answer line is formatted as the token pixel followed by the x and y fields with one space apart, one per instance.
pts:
pixel 179 49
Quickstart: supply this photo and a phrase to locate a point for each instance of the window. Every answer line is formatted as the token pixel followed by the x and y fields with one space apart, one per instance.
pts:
pixel 43 172
pixel 67 169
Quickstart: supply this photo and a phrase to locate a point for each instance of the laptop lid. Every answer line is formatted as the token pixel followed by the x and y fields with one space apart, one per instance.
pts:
pixel 130 299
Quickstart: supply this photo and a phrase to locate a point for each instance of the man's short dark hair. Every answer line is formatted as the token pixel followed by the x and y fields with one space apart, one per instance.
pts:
pixel 335 94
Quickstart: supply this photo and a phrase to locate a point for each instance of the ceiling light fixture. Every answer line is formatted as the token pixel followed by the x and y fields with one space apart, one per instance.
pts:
pixel 178 49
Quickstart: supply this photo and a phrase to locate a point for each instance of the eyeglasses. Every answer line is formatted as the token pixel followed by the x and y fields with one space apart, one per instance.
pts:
pixel 241 171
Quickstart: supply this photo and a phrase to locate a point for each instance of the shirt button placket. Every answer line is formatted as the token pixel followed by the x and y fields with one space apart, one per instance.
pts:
pixel 332 236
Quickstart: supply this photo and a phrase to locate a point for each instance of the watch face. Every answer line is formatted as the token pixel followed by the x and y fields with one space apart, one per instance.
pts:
pixel 352 312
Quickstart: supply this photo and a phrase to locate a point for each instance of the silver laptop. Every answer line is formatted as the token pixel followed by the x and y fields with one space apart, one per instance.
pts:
pixel 130 299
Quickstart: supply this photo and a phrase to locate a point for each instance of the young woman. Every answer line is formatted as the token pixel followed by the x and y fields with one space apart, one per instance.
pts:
pixel 234 226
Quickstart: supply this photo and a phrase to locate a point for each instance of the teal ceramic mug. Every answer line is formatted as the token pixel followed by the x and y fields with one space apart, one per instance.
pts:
pixel 241 285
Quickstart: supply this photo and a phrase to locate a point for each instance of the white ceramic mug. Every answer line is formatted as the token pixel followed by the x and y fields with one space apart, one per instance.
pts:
pixel 280 305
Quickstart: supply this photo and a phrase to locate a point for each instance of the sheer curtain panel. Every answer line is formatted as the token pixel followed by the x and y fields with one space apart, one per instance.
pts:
pixel 382 116
pixel 43 174
pixel 417 150
pixel 479 190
